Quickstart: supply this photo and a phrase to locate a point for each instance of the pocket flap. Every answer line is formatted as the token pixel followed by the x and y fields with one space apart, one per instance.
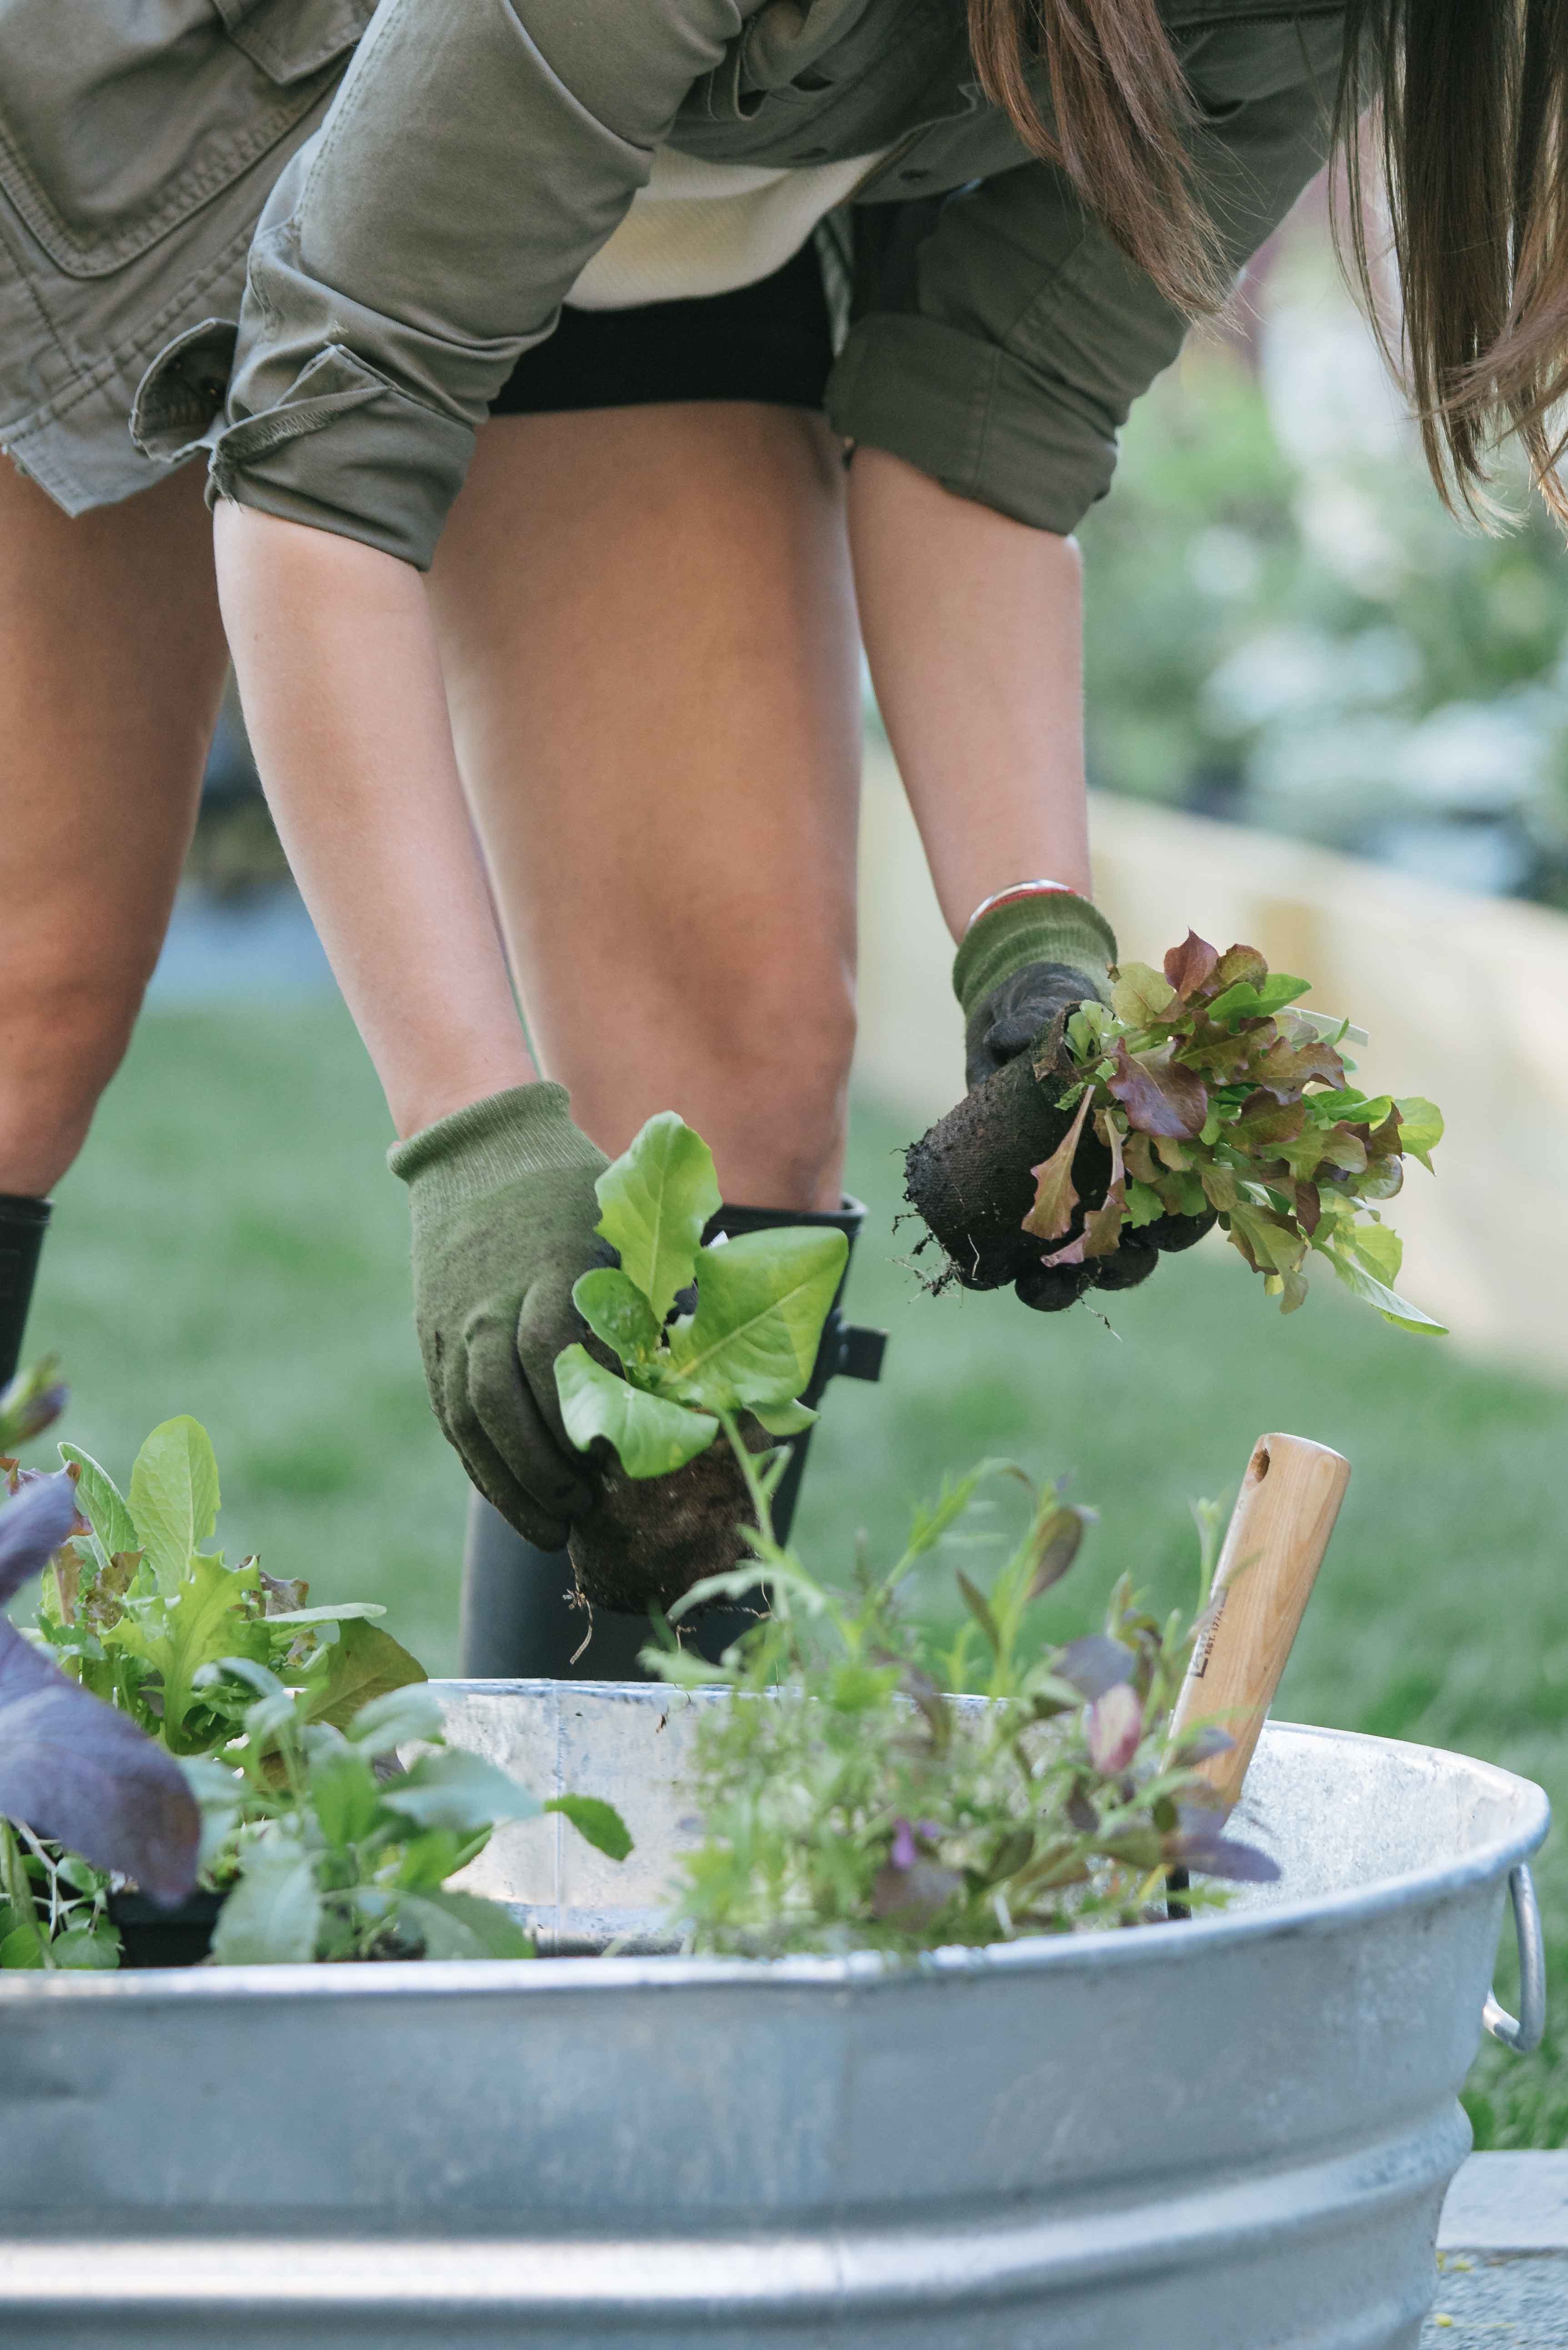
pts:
pixel 291 39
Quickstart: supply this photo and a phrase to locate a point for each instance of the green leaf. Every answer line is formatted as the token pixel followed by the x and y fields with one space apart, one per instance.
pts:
pixel 599 1824
pixel 616 1310
pixel 455 1789
pixel 206 1623
pixel 463 1926
pixel 1373 1291
pixel 1420 1127
pixel 1252 1000
pixel 649 1434
pixel 391 1717
pixel 22 1947
pixel 101 1502
pixel 352 1611
pixel 1381 1251
pixel 87 1950
pixel 274 1914
pixel 173 1497
pixel 761 1301
pixel 655 1199
pixel 346 1795
pixel 784 1419
pixel 1140 997
pixel 364 1666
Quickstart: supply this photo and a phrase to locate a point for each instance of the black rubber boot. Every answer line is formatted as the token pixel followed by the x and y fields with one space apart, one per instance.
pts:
pixel 22 1226
pixel 520 1621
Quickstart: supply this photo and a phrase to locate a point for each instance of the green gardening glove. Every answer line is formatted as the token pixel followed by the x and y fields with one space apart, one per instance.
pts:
pixel 1023 960
pixel 504 1208
pixel 1029 955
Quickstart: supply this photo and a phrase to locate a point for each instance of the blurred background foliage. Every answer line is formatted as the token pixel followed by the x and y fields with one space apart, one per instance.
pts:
pixel 1287 630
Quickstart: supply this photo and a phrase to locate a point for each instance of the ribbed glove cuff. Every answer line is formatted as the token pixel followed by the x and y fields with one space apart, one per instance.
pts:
pixel 1054 926
pixel 527 1130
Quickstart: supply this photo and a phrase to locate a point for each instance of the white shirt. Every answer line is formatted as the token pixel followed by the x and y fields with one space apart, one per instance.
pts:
pixel 702 228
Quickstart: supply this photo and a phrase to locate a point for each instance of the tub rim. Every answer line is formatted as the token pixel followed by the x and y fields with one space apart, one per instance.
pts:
pixel 860 1971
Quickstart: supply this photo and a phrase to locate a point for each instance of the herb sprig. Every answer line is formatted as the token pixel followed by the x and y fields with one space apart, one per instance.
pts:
pixel 848 1802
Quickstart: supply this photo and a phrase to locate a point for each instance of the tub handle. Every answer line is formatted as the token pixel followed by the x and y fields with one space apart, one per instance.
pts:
pixel 1523 2034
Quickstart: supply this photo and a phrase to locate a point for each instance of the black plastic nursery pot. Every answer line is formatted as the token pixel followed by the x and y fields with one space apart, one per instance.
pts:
pixel 151 1937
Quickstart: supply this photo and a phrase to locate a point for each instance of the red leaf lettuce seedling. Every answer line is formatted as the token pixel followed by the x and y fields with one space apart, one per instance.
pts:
pixel 1208 1093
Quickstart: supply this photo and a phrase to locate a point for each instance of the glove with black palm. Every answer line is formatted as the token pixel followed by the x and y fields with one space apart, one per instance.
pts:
pixel 1029 957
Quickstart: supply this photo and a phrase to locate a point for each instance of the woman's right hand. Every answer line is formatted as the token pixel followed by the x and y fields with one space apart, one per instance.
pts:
pixel 504 1211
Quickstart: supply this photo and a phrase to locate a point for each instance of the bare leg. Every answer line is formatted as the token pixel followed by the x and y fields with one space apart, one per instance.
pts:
pixel 648 632
pixel 650 642
pixel 974 630
pixel 111 666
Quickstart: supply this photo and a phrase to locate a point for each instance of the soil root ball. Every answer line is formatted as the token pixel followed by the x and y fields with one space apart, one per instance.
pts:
pixel 647 1540
pixel 969 1178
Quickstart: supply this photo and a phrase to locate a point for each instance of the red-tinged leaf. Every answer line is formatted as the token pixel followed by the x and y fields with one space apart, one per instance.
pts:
pixel 1344 1148
pixel 979 1607
pixel 1218 1187
pixel 1115 1729
pixel 1287 1068
pixel 1094 1664
pixel 1237 962
pixel 1309 1208
pixel 1159 1096
pixel 1054 1540
pixel 1221 1059
pixel 913 1896
pixel 1055 1194
pixel 1191 965
pixel 74 1769
pixel 1204 1743
pixel 1213 1855
pixel 1265 1239
pixel 1103 1226
pixel 1263 1122
pixel 1139 1152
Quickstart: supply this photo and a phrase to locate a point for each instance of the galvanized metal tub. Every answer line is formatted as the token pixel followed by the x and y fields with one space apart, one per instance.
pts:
pixel 1215 2135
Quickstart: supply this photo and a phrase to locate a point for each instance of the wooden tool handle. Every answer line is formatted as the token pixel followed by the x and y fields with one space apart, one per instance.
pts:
pixel 1274 1545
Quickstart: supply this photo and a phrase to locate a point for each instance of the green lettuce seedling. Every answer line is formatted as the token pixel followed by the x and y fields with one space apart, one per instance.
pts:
pixel 1208 1093
pixel 283 1718
pixel 703 1334
pixel 136 1607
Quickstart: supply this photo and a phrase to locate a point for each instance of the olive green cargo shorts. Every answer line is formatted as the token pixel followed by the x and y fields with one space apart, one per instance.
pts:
pixel 138 141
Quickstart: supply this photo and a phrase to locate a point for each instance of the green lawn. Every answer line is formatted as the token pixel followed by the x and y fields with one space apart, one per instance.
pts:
pixel 231 1245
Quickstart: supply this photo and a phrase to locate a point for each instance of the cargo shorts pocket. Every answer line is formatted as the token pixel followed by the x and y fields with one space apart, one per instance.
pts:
pixel 119 123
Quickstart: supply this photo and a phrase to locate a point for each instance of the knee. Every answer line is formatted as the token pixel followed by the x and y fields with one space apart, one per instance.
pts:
pixel 63 1033
pixel 780 1052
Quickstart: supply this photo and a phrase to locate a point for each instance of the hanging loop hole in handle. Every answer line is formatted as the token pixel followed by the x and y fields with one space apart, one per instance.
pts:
pixel 1524 2031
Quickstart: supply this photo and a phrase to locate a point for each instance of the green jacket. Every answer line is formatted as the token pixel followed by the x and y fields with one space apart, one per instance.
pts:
pixel 479 151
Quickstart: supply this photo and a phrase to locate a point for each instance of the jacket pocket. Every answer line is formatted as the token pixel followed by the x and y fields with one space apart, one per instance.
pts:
pixel 122 119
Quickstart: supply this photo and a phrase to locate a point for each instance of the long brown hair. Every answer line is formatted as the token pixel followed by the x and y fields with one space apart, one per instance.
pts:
pixel 1470 131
